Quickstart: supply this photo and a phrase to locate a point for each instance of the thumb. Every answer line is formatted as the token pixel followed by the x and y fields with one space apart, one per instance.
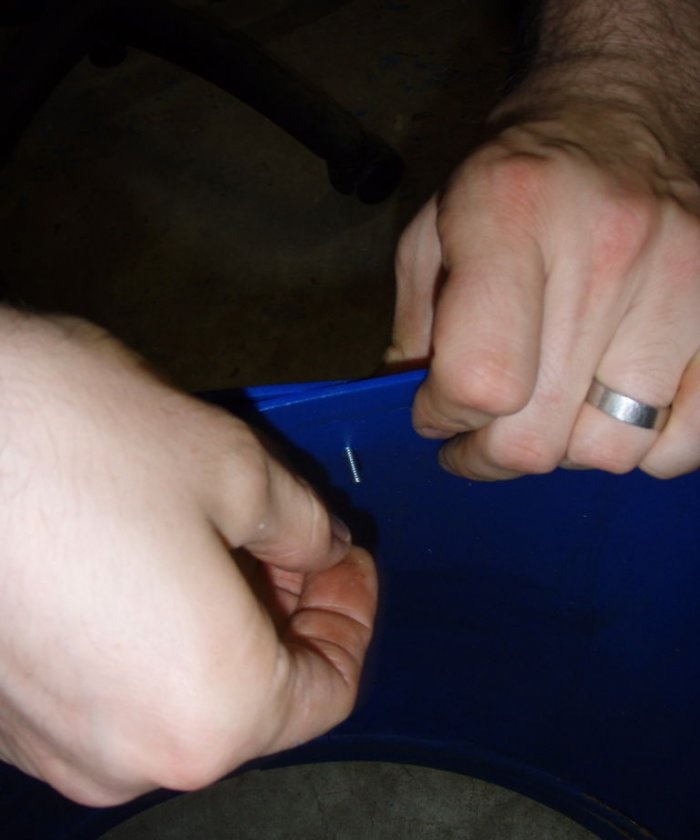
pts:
pixel 261 506
pixel 418 276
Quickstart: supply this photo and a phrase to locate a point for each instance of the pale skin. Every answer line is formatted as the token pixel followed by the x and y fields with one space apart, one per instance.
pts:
pixel 567 247
pixel 135 651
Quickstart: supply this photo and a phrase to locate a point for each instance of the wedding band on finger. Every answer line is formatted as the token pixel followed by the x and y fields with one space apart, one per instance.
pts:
pixel 627 409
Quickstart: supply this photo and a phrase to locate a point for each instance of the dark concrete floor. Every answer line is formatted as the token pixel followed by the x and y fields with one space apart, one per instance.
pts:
pixel 360 801
pixel 153 203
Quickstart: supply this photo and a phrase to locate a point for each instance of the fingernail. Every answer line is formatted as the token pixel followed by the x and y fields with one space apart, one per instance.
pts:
pixel 570 465
pixel 340 530
pixel 431 432
pixel 445 461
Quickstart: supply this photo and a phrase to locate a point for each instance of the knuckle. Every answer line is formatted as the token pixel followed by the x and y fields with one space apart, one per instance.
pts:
pixel 83 335
pixel 255 492
pixel 624 224
pixel 488 384
pixel 511 184
pixel 93 793
pixel 197 720
pixel 177 746
pixel 660 470
pixel 516 180
pixel 244 468
pixel 602 454
pixel 309 542
pixel 92 770
pixel 525 452
pixel 192 747
pixel 88 334
pixel 78 328
pixel 189 762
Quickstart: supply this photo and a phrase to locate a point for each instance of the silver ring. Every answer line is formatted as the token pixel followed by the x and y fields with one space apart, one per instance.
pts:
pixel 627 409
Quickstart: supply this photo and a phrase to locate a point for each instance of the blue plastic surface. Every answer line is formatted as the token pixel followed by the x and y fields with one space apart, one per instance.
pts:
pixel 540 633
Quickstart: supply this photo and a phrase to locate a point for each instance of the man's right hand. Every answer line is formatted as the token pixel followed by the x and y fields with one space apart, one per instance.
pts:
pixel 567 250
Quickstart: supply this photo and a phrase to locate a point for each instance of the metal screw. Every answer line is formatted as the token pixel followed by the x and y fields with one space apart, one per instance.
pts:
pixel 353 464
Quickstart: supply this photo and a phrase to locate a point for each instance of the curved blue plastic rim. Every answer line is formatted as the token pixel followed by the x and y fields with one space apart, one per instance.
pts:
pixel 540 633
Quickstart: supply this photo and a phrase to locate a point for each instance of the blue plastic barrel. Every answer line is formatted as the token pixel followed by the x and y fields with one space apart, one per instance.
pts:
pixel 541 634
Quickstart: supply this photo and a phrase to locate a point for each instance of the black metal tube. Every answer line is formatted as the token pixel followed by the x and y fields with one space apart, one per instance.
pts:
pixel 61 32
pixel 232 61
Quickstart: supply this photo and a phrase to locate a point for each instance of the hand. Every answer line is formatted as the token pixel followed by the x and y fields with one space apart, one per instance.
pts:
pixel 134 653
pixel 566 249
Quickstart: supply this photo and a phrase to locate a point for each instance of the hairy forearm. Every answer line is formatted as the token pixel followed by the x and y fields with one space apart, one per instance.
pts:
pixel 639 57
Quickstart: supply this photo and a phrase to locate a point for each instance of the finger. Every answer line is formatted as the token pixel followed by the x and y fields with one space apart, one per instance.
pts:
pixel 418 272
pixel 259 505
pixel 486 332
pixel 296 531
pixel 677 451
pixel 469 456
pixel 645 360
pixel 535 439
pixel 325 643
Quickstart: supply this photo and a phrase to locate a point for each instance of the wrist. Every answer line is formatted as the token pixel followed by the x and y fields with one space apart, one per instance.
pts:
pixel 639 58
pixel 600 107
